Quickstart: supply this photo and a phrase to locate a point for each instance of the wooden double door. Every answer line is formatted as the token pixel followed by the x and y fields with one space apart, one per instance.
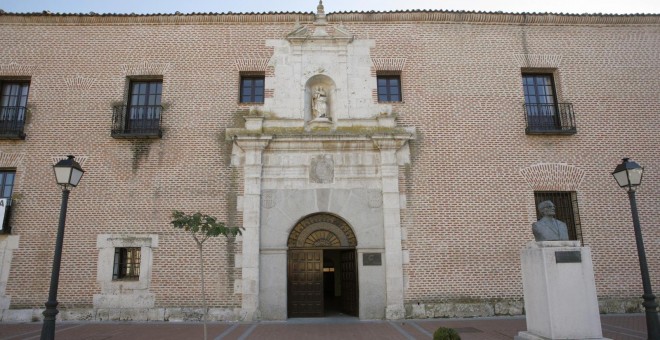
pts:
pixel 315 289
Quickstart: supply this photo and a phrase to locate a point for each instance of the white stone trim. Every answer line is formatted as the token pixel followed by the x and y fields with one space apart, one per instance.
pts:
pixel 124 294
pixel 7 245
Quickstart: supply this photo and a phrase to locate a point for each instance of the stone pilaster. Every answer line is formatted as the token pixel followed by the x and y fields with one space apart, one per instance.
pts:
pixel 252 149
pixel 7 245
pixel 392 225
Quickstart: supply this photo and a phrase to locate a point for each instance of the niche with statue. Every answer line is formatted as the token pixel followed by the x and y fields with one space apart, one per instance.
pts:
pixel 319 95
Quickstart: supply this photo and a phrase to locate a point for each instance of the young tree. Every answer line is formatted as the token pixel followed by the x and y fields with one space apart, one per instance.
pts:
pixel 201 227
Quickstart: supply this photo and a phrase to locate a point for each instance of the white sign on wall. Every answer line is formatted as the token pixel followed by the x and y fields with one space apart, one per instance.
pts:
pixel 3 210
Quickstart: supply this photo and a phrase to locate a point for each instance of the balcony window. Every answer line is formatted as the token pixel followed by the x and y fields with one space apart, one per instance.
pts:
pixel 141 116
pixel 389 88
pixel 13 102
pixel 543 113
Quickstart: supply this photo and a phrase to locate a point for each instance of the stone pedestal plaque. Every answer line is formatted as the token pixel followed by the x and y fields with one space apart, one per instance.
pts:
pixel 560 292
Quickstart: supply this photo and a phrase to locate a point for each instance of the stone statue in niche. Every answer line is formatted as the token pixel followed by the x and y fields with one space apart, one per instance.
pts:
pixel 320 104
pixel 548 228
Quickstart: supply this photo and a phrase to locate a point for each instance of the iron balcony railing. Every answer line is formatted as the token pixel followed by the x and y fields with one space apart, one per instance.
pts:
pixel 136 121
pixel 12 122
pixel 550 118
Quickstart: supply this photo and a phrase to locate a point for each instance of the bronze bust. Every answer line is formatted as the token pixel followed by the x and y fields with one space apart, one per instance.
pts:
pixel 548 228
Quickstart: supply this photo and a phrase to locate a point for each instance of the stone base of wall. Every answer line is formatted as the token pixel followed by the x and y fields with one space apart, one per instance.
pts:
pixel 620 306
pixel 443 309
pixel 484 308
pixel 123 314
pixel 462 309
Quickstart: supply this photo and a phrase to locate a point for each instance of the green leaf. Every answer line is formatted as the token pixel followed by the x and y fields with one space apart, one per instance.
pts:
pixel 200 224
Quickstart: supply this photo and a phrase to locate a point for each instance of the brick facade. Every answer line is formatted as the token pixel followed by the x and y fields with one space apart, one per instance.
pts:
pixel 469 187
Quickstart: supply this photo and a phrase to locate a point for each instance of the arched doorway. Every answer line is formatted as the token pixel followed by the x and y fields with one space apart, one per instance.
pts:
pixel 322 267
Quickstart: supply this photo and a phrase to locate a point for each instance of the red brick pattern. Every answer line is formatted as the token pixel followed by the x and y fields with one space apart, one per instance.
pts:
pixel 469 201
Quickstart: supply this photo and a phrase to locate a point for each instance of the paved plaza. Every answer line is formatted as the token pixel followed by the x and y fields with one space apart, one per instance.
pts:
pixel 617 327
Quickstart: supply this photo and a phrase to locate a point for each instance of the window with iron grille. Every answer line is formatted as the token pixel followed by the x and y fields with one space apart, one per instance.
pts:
pixel 126 264
pixel 566 210
pixel 13 106
pixel 252 89
pixel 389 88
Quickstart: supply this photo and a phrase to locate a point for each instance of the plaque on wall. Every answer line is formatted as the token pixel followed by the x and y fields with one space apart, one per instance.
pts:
pixel 568 257
pixel 371 259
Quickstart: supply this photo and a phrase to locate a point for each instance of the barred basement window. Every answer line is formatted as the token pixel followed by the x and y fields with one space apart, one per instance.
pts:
pixel 566 210
pixel 127 264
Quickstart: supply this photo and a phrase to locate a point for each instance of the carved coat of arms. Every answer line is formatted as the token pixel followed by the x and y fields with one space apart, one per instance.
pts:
pixel 322 169
pixel 375 198
pixel 268 199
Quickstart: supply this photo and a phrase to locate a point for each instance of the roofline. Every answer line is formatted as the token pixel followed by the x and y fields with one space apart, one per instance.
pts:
pixel 46 17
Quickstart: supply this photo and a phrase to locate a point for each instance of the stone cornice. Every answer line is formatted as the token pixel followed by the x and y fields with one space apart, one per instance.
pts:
pixel 153 19
pixel 400 16
pixel 498 18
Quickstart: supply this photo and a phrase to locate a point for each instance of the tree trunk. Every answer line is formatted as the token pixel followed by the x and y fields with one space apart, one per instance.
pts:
pixel 201 267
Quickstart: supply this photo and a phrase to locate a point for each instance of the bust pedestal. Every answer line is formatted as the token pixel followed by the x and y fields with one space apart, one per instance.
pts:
pixel 560 292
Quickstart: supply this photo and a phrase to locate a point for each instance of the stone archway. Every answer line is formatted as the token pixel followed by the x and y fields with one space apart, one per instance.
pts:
pixel 316 240
pixel 306 232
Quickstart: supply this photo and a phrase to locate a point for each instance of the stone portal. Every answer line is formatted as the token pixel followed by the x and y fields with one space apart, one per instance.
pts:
pixel 321 146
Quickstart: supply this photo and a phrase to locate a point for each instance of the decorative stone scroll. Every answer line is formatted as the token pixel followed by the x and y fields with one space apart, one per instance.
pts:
pixel 322 230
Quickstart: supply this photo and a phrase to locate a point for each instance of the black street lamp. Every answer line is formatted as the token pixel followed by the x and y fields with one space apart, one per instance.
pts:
pixel 68 174
pixel 629 176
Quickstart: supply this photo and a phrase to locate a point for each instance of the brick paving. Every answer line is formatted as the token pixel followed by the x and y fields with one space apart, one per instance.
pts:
pixel 617 327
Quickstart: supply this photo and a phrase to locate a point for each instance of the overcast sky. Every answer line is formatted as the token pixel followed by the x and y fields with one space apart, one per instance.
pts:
pixel 205 6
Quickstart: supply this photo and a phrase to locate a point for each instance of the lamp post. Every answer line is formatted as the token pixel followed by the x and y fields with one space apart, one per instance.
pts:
pixel 628 175
pixel 68 174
